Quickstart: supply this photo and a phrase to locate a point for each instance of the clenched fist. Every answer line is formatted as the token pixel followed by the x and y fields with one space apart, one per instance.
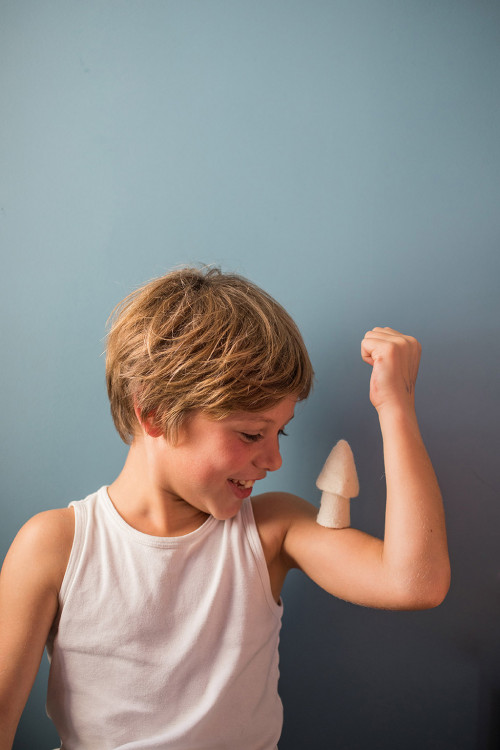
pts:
pixel 394 358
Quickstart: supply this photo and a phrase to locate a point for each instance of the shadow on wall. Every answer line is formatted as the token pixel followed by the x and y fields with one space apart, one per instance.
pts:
pixel 351 681
pixel 489 716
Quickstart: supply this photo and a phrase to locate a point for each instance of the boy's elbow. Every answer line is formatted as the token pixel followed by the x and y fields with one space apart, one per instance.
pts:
pixel 434 596
pixel 441 587
pixel 426 593
pixel 440 583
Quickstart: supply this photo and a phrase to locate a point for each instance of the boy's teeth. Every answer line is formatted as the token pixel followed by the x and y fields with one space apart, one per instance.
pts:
pixel 248 483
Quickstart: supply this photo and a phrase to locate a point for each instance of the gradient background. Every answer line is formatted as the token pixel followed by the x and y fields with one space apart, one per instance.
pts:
pixel 343 154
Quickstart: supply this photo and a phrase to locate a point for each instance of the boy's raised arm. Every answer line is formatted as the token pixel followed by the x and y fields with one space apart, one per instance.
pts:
pixel 409 569
pixel 29 584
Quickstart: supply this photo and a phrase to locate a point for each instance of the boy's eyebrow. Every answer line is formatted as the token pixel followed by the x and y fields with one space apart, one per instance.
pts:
pixel 256 418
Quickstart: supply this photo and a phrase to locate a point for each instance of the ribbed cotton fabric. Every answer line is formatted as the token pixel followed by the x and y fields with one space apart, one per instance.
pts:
pixel 165 643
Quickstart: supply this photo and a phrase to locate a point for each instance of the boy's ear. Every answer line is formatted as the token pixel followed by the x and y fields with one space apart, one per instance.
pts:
pixel 147 423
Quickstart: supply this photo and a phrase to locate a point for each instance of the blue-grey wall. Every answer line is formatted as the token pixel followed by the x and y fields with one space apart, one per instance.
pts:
pixel 345 155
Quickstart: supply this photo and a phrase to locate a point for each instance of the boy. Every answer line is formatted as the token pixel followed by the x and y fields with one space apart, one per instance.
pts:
pixel 159 596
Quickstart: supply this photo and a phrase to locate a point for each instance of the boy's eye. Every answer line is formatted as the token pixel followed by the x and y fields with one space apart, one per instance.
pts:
pixel 250 438
pixel 253 438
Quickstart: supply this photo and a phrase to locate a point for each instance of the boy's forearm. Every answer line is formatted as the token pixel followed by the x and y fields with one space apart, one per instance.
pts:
pixel 415 549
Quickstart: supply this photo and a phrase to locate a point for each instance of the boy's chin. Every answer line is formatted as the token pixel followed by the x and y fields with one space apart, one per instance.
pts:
pixel 227 513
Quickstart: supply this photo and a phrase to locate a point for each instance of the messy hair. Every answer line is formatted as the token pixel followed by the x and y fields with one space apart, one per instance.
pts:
pixel 200 339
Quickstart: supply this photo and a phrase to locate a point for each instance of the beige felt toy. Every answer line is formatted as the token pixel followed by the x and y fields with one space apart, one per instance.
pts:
pixel 339 482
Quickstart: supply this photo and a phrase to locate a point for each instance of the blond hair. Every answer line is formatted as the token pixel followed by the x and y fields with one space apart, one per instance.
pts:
pixel 200 339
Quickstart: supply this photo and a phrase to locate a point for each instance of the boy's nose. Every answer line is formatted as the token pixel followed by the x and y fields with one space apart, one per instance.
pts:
pixel 269 458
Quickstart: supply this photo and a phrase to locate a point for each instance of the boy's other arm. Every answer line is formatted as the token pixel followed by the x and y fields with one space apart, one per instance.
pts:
pixel 30 580
pixel 409 569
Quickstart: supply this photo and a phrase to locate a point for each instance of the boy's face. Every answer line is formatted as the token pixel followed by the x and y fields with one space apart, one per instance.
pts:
pixel 214 464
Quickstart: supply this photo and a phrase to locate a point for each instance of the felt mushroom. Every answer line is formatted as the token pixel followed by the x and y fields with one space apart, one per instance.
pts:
pixel 339 482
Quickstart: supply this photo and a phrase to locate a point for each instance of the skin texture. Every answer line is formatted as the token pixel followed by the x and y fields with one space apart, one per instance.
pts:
pixel 169 490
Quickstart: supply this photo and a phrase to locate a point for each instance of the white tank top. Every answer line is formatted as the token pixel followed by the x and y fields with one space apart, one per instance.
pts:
pixel 165 642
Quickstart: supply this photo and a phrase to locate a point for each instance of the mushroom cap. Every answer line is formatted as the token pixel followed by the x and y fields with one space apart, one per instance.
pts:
pixel 339 475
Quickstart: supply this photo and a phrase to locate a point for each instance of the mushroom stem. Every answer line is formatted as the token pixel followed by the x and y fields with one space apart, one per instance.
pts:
pixel 335 511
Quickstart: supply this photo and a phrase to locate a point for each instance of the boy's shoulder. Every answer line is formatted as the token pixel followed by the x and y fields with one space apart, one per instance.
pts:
pixel 275 513
pixel 43 544
pixel 50 526
pixel 279 509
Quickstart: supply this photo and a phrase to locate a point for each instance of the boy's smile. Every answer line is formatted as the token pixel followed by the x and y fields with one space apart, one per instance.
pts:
pixel 243 489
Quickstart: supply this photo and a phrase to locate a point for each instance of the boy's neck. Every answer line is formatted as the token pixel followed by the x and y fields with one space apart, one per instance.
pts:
pixel 142 503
